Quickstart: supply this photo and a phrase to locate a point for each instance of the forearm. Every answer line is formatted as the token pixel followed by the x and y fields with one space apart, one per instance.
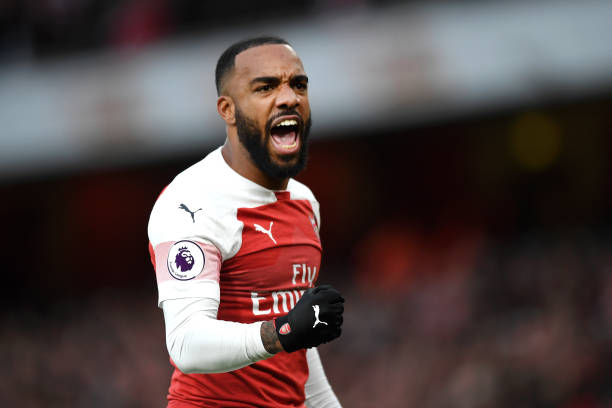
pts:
pixel 199 343
pixel 269 337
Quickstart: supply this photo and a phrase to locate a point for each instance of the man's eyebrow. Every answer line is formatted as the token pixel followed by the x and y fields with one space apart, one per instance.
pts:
pixel 275 80
pixel 299 78
pixel 265 80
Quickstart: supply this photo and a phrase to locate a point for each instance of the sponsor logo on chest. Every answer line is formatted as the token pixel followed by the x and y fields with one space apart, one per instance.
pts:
pixel 282 301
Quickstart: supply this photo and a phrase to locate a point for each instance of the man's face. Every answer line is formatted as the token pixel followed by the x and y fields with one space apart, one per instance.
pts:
pixel 270 91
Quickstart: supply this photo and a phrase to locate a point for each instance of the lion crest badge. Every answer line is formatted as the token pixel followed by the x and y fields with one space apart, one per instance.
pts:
pixel 185 260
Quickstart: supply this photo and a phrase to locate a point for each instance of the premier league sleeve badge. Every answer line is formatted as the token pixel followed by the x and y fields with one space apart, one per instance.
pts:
pixel 185 260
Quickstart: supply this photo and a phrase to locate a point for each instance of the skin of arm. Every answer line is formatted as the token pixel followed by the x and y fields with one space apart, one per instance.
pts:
pixel 269 337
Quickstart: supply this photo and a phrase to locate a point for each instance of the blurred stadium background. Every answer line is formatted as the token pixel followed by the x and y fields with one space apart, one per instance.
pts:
pixel 460 153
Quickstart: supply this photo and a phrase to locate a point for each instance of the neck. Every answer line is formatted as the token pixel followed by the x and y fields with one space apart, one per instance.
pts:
pixel 238 158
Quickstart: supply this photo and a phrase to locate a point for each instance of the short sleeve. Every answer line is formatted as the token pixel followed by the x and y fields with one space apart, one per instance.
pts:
pixel 188 240
pixel 187 268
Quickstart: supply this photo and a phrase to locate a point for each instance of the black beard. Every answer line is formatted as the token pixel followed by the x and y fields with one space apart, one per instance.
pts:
pixel 257 146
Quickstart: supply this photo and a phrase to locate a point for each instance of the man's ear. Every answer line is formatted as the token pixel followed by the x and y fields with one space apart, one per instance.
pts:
pixel 227 109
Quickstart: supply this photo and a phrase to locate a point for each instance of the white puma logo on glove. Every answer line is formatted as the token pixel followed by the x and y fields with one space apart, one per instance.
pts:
pixel 317 321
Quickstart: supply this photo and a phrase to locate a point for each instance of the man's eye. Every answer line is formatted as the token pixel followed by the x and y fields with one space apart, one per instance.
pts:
pixel 264 88
pixel 301 86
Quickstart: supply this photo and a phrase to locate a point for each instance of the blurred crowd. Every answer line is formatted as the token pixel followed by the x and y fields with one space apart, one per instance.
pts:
pixel 103 351
pixel 51 28
pixel 522 323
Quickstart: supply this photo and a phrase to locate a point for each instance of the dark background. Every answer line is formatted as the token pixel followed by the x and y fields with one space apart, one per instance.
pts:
pixel 474 252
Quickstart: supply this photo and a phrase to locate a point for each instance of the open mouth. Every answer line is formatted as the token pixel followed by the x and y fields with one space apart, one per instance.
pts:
pixel 285 135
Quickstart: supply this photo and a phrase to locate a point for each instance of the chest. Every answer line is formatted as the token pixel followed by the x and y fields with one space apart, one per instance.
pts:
pixel 280 249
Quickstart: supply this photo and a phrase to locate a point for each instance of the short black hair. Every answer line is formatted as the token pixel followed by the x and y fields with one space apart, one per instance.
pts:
pixel 226 61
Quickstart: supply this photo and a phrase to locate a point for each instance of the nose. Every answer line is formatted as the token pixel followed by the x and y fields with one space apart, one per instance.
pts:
pixel 287 98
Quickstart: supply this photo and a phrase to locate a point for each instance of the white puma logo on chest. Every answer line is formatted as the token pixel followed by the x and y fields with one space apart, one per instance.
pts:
pixel 268 231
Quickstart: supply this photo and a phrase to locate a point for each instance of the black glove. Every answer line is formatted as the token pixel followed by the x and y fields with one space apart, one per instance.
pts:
pixel 315 319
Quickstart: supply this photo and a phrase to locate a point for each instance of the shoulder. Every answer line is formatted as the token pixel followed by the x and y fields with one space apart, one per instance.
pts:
pixel 192 187
pixel 300 191
pixel 196 205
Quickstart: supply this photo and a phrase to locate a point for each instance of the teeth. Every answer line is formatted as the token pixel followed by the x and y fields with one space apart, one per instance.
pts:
pixel 288 122
pixel 291 146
